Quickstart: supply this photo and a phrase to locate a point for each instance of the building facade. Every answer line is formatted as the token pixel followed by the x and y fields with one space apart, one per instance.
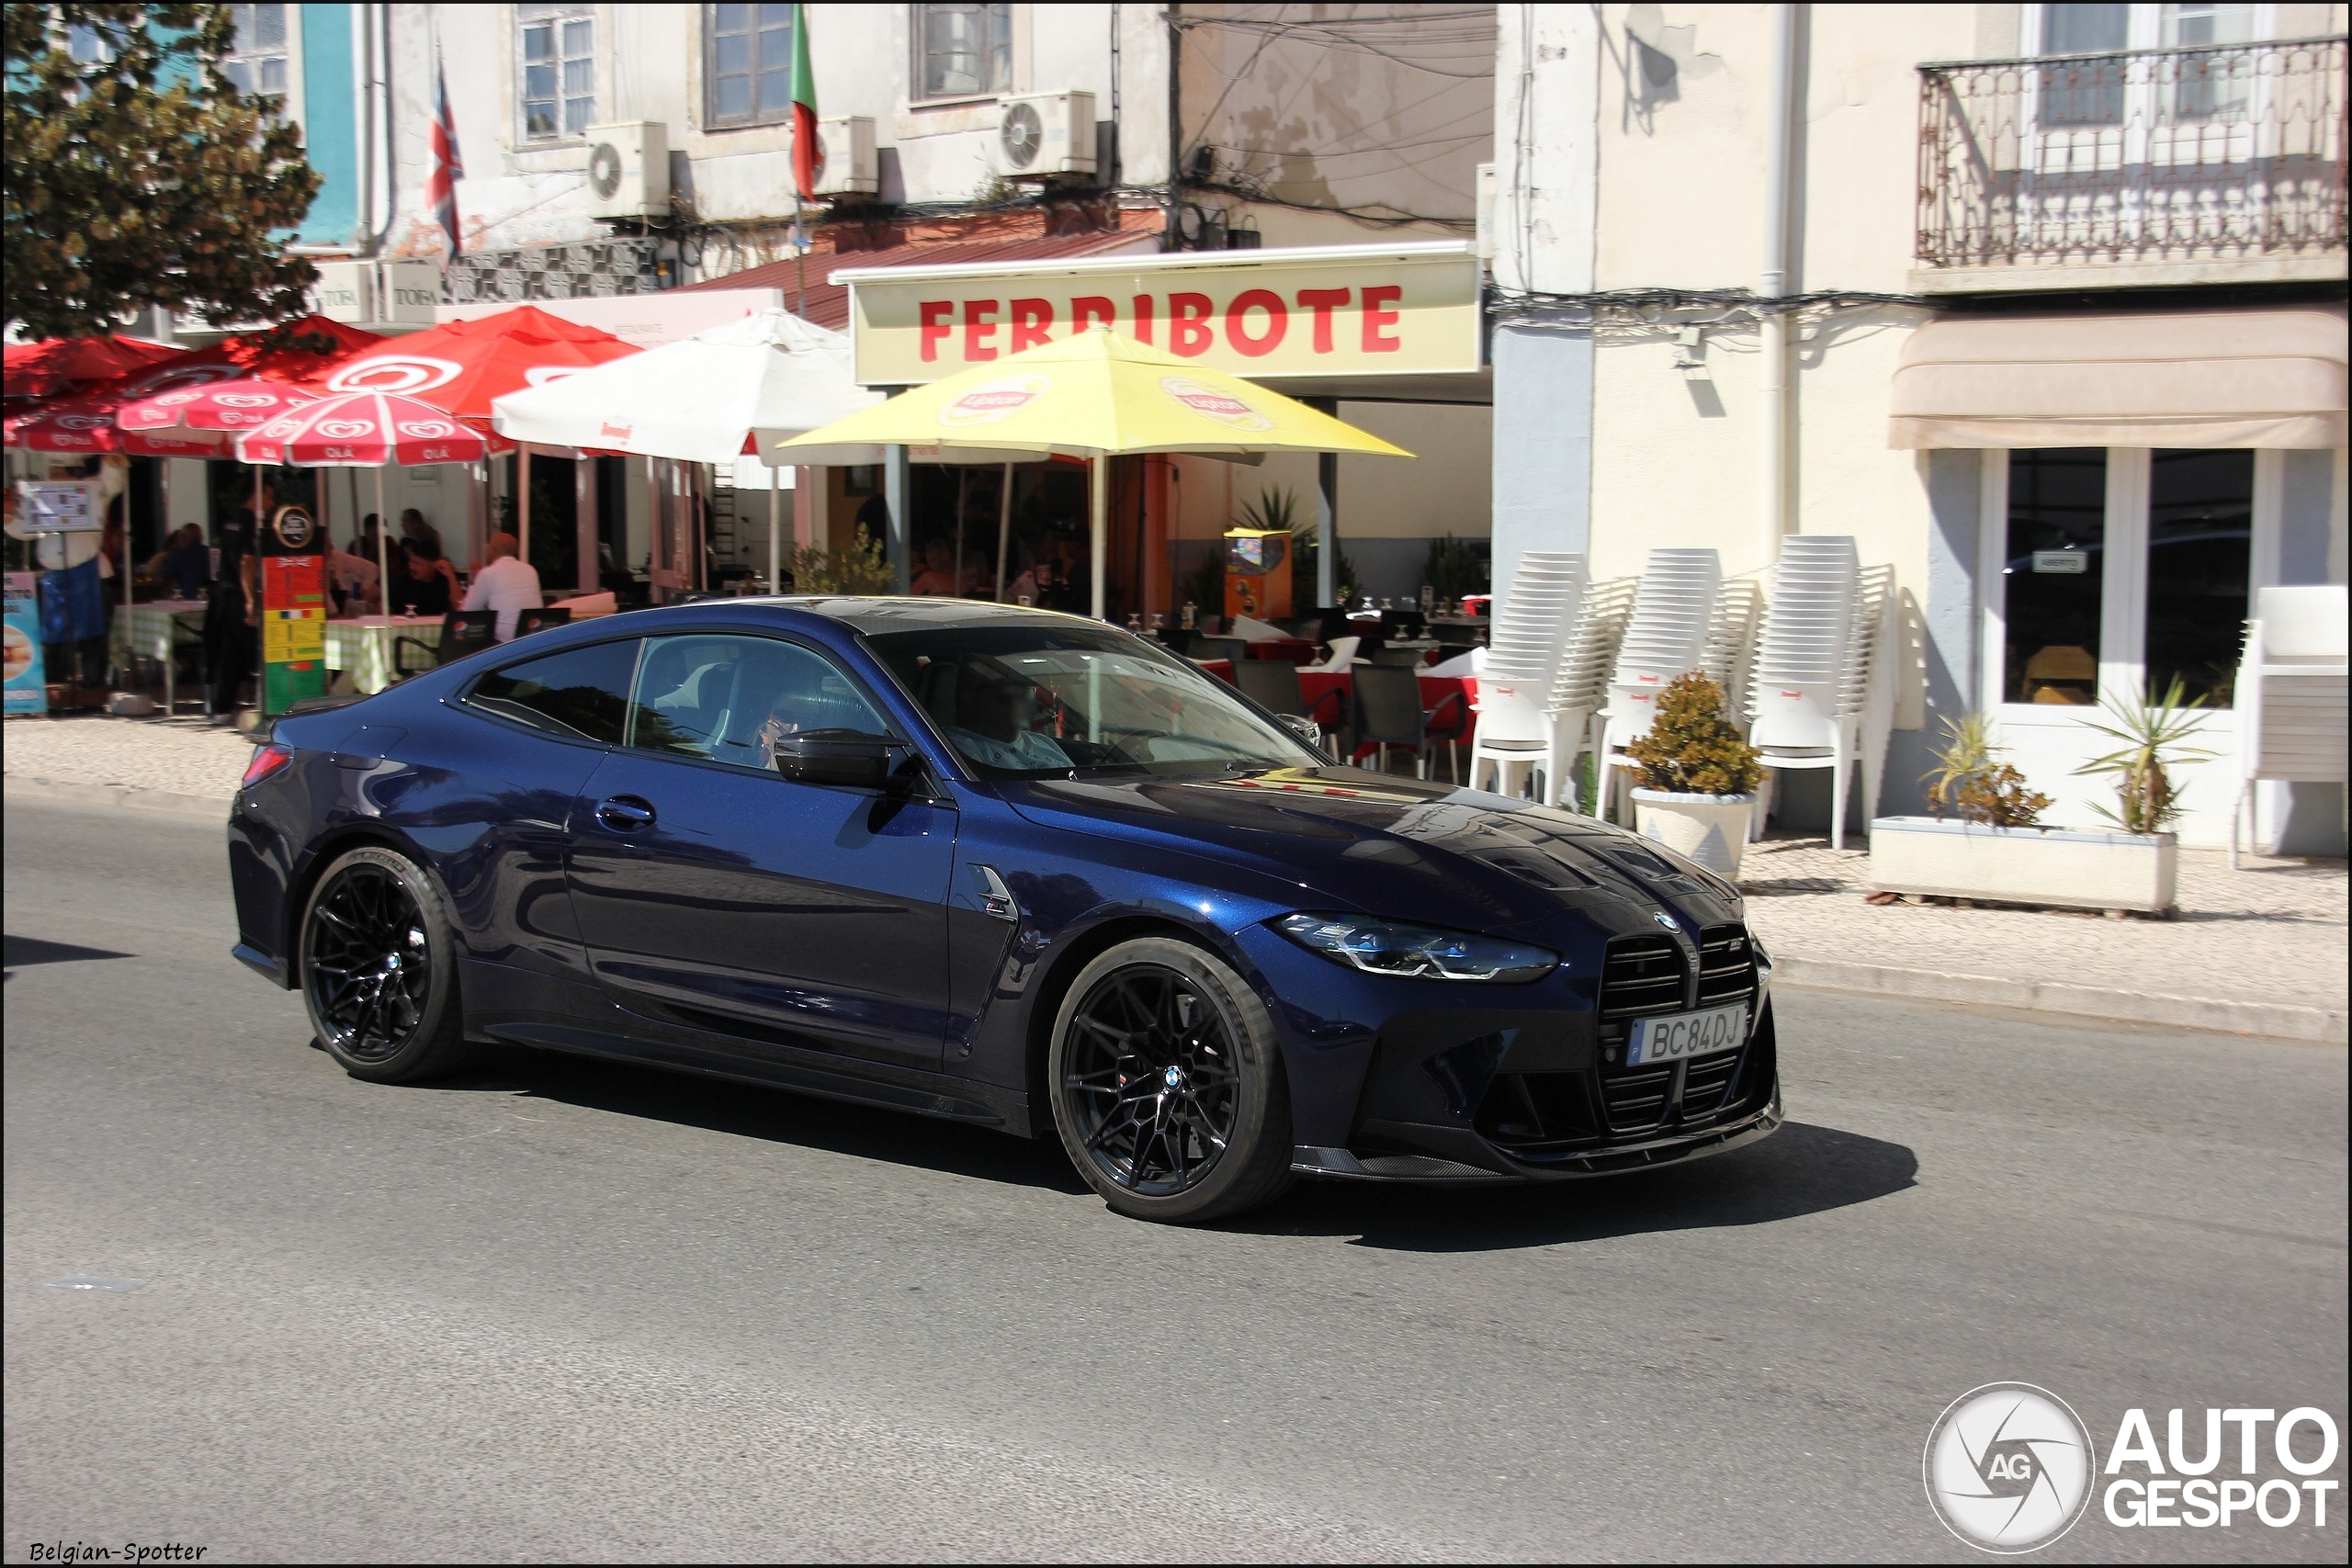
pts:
pixel 2039 303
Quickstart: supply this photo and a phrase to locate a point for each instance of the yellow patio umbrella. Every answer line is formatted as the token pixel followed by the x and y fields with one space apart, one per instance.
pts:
pixel 1094 395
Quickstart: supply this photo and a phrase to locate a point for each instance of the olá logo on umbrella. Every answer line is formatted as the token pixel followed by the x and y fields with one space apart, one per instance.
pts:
pixel 1210 403
pixel 426 429
pixel 343 429
pixel 992 400
pixel 393 373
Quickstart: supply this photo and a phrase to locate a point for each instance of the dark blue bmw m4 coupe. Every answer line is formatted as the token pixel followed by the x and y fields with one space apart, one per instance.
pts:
pixel 1009 867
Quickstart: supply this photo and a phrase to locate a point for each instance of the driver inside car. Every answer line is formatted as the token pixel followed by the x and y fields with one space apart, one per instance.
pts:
pixel 991 731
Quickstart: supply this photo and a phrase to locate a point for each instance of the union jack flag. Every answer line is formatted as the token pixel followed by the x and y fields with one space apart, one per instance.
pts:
pixel 441 188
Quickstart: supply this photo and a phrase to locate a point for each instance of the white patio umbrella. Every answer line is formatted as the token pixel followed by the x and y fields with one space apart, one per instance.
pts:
pixel 711 398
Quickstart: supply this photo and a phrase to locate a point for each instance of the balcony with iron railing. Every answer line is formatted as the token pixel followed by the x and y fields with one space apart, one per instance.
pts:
pixel 2159 165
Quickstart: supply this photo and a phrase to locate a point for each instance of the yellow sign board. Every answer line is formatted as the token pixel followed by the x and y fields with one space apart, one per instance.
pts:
pixel 291 636
pixel 1266 314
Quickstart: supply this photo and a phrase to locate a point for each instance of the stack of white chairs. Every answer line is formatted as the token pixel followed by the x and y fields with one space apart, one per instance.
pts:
pixel 1667 637
pixel 2291 691
pixel 1730 659
pixel 1523 652
pixel 1580 690
pixel 1822 694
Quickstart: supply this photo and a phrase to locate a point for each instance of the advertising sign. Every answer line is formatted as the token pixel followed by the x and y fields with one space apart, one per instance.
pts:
pixel 28 693
pixel 293 611
pixel 1412 310
pixel 61 506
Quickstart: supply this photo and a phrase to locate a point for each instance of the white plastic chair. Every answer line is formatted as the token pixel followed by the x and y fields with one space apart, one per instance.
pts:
pixel 2291 695
pixel 1821 694
pixel 1514 731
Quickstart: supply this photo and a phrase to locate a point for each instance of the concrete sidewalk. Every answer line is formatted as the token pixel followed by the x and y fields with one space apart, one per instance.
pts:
pixel 2260 950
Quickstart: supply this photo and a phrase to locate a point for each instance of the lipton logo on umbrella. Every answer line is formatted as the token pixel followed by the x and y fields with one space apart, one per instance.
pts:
pixel 1210 403
pixel 993 400
pixel 617 432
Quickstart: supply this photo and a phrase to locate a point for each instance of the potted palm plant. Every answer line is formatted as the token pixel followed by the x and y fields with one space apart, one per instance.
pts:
pixel 1695 777
pixel 1994 845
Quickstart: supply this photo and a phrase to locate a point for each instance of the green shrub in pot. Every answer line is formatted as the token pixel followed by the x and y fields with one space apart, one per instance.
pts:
pixel 1695 777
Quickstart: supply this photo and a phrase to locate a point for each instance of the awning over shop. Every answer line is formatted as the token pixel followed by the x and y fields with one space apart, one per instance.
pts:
pixel 2268 376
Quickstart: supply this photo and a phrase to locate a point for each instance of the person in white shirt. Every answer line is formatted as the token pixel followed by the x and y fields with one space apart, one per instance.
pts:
pixel 506 584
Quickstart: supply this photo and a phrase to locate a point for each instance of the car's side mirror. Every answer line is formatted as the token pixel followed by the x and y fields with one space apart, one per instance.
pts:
pixel 848 758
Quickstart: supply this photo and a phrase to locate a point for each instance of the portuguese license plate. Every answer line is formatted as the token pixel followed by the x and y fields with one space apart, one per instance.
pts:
pixel 1687 1035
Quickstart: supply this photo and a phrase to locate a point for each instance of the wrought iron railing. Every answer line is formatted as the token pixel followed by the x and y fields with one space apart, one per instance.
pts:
pixel 2205 153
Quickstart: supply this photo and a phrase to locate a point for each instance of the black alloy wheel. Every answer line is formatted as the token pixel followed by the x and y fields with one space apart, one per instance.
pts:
pixel 379 975
pixel 1168 1090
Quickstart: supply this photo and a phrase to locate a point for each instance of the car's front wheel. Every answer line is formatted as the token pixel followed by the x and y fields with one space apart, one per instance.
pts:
pixel 380 973
pixel 1168 1084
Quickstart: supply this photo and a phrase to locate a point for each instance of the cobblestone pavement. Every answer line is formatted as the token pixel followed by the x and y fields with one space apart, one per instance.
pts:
pixel 2274 931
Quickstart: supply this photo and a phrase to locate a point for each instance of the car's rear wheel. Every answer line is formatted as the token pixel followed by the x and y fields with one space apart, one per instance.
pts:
pixel 1168 1085
pixel 379 972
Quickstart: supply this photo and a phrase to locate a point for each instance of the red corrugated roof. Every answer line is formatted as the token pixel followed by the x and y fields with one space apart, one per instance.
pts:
pixel 829 303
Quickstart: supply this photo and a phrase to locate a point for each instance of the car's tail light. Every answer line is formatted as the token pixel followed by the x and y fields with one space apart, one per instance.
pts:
pixel 266 761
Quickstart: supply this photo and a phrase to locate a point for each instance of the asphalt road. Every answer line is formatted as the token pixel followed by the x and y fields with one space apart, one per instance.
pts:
pixel 563 1309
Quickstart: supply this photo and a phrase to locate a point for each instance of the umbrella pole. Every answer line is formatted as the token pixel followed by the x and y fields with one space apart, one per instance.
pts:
pixel 383 572
pixel 1098 487
pixel 522 504
pixel 963 497
pixel 776 542
pixel 1003 528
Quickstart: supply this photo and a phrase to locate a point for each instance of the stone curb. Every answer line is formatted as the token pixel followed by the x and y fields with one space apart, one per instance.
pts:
pixel 215 806
pixel 2279 1019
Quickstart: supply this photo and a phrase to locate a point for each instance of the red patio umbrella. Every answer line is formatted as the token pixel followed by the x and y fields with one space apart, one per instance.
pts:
pixel 51 365
pixel 86 423
pixel 362 430
pixel 243 404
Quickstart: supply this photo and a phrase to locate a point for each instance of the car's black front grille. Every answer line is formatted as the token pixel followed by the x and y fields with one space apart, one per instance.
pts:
pixel 1642 975
pixel 1555 1113
pixel 1726 967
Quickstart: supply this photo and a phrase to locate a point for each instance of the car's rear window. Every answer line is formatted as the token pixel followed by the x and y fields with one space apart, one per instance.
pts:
pixel 581 694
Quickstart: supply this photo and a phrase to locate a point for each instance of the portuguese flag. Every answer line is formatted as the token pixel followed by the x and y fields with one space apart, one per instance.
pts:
pixel 804 108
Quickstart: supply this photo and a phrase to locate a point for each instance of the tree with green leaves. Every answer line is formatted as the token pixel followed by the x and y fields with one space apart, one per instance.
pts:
pixel 139 175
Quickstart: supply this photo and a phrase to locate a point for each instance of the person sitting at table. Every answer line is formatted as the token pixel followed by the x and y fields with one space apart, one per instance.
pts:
pixel 430 585
pixel 415 529
pixel 506 583
pixel 937 579
pixel 187 564
pixel 352 575
pixel 991 731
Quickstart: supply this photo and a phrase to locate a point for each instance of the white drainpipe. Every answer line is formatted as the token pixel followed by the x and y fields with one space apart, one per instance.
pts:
pixel 1774 282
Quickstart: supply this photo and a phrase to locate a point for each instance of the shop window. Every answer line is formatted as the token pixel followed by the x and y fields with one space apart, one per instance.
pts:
pixel 747 64
pixel 261 60
pixel 2051 575
pixel 2201 552
pixel 963 51
pixel 559 64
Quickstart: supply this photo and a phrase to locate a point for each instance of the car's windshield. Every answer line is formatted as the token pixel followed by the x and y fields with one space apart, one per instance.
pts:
pixel 1043 701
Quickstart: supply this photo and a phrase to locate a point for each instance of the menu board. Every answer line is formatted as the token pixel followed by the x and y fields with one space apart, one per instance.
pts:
pixel 293 612
pixel 28 693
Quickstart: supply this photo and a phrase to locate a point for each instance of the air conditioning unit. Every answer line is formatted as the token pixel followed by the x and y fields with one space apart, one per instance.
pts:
pixel 1038 134
pixel 628 169
pixel 345 292
pixel 846 163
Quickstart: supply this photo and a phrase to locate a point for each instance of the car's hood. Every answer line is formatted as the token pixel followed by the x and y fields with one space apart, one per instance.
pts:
pixel 1396 847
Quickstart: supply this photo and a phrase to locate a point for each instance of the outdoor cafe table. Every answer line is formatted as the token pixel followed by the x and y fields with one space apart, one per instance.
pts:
pixel 148 631
pixel 359 647
pixel 1317 685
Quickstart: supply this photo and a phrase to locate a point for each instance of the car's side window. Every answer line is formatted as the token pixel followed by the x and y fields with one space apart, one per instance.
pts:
pixel 728 698
pixel 581 694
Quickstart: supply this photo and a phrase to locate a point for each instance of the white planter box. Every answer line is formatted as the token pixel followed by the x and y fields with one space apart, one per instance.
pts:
pixel 2078 868
pixel 1709 828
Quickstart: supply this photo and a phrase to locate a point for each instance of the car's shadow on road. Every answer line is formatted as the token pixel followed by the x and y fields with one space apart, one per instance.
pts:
pixel 1801 1169
pixel 772 1115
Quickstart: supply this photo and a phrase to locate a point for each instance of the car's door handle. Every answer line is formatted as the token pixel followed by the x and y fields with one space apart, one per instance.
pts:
pixel 625 813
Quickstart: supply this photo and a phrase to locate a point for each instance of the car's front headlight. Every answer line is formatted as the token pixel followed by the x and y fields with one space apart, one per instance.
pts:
pixel 1391 947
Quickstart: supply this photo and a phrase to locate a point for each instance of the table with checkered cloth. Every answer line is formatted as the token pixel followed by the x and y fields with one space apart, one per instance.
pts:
pixel 362 647
pixel 150 630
